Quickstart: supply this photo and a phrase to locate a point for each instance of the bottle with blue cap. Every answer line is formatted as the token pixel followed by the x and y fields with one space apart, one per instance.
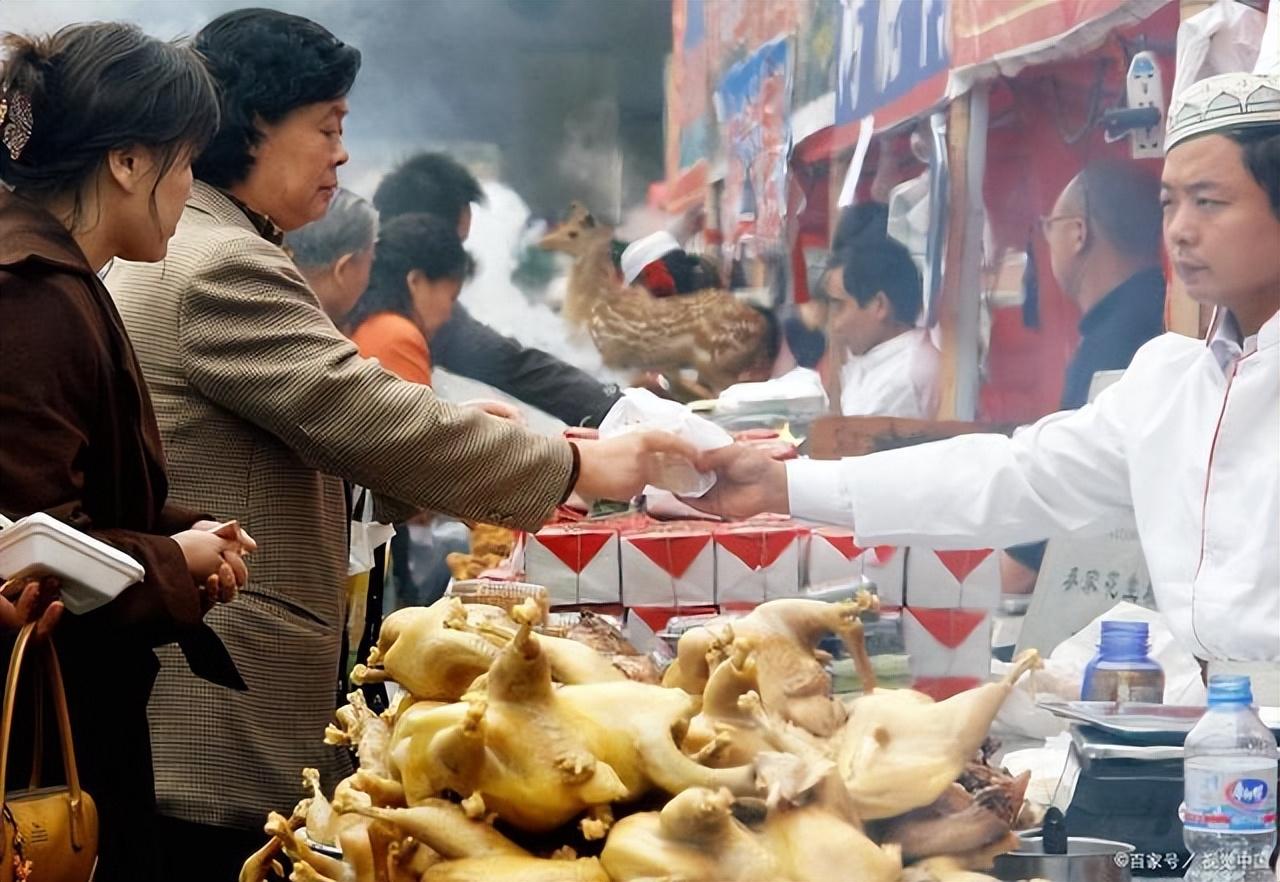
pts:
pixel 1229 770
pixel 1123 669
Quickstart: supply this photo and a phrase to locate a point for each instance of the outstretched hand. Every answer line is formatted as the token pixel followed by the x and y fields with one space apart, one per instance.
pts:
pixel 620 468
pixel 748 482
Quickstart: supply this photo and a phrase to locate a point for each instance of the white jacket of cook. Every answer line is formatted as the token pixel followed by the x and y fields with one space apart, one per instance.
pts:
pixel 1186 445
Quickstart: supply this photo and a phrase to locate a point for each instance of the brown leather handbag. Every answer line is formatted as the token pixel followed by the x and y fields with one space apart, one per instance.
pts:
pixel 48 834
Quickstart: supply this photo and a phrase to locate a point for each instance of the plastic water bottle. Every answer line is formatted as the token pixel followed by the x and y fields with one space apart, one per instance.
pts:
pixel 1229 812
pixel 1122 670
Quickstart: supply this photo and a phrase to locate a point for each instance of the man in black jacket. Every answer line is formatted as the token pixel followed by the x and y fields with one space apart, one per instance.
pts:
pixel 436 184
pixel 1104 249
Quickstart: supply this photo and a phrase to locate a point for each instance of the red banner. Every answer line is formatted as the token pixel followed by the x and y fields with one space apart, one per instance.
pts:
pixel 983 29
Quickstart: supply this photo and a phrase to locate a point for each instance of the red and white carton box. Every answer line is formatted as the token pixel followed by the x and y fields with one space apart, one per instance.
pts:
pixel 668 566
pixel 949 649
pixel 953 579
pixel 577 563
pixel 756 562
pixel 885 565
pixel 833 558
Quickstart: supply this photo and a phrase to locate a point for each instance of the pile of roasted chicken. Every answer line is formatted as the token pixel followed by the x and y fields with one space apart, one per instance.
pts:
pixel 514 755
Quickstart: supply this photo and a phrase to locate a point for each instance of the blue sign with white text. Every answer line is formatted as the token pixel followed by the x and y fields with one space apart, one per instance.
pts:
pixel 886 49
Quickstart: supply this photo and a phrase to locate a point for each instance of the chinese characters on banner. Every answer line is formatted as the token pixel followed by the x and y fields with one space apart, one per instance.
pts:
pixel 753 102
pixel 892 58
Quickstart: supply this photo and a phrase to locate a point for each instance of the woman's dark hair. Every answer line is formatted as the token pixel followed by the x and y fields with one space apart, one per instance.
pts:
pixel 410 242
pixel 689 272
pixel 266 64
pixel 1261 148
pixel 94 88
pixel 807 344
pixel 430 183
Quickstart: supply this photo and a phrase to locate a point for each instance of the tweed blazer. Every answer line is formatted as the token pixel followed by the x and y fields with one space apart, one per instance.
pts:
pixel 265 408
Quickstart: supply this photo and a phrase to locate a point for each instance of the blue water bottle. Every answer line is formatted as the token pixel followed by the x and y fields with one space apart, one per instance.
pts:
pixel 1122 670
pixel 1229 770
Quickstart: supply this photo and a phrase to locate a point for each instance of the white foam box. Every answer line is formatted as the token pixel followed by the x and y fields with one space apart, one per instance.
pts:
pixel 668 566
pixel 92 572
pixel 758 562
pixel 948 643
pixel 576 563
pixel 953 579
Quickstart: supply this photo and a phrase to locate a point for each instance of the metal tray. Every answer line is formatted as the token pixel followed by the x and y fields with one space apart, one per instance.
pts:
pixel 1143 723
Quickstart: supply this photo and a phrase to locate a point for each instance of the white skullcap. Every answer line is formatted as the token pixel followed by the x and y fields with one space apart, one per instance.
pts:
pixel 643 252
pixel 1225 101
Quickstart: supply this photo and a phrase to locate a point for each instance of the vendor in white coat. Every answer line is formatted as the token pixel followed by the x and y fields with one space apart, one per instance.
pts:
pixel 1186 444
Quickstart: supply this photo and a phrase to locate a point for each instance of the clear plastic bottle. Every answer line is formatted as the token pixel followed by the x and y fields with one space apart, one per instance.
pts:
pixel 1229 812
pixel 1122 670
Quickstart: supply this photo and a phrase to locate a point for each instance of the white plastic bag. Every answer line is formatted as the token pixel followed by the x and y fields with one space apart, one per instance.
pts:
pixel 641 410
pixel 1225 38
pixel 367 535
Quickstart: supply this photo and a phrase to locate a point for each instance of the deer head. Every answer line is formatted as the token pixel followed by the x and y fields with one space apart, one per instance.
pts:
pixel 579 231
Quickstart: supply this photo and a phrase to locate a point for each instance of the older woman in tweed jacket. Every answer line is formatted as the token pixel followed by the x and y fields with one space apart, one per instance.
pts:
pixel 265 408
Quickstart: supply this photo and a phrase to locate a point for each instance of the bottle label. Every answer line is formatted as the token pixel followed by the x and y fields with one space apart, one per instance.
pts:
pixel 1227 799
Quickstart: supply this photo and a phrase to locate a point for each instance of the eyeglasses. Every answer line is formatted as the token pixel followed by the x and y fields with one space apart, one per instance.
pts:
pixel 1047 221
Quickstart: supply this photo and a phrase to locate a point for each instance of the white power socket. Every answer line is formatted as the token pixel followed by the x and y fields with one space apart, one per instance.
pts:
pixel 1145 88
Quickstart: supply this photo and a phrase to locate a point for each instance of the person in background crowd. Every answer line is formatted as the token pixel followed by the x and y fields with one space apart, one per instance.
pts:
pixel 1104 250
pixel 418 271
pixel 434 183
pixel 866 220
pixel 251 375
pixel 658 263
pixel 1183 445
pixel 98 126
pixel 335 253
pixel 807 345
pixel 874 295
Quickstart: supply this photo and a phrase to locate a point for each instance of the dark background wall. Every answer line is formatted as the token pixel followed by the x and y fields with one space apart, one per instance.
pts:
pixel 570 92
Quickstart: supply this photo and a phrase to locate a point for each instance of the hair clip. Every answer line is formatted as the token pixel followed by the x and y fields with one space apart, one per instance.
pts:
pixel 16 112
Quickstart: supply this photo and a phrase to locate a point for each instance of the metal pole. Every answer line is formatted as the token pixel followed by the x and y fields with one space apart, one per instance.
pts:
pixel 969 304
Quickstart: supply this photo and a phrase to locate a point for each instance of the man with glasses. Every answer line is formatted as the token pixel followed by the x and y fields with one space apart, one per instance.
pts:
pixel 1104 250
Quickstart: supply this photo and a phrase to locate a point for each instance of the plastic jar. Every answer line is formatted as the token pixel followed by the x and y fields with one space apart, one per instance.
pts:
pixel 1122 669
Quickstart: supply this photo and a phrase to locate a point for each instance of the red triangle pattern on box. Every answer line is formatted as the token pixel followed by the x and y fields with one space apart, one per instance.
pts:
pixel 950 627
pixel 674 554
pixel 884 554
pixel 758 548
pixel 575 549
pixel 657 617
pixel 961 564
pixel 843 544
pixel 942 688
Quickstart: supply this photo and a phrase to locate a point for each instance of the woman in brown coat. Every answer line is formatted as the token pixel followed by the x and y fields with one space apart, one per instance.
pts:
pixel 98 125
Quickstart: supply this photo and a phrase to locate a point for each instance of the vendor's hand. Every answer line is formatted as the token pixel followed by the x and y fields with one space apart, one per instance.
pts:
pixel 37 602
pixel 215 564
pixel 747 483
pixel 499 409
pixel 620 467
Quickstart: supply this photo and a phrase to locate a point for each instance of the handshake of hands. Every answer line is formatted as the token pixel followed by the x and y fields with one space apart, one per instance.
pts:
pixel 748 482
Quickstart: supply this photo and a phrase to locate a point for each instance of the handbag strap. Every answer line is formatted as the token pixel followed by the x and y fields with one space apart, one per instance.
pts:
pixel 64 724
